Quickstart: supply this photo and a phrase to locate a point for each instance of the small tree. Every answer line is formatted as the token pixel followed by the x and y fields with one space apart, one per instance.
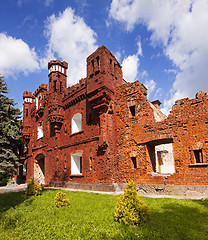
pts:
pixel 130 209
pixel 10 124
pixel 60 199
pixel 33 188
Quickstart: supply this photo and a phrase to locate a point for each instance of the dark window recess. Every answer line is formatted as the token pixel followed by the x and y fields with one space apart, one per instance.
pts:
pixel 98 62
pixel 80 164
pixel 54 86
pixel 134 161
pixel 132 110
pixel 93 67
pixel 198 156
pixel 60 86
pixel 90 163
pixel 89 118
pixel 52 130
pixel 26 112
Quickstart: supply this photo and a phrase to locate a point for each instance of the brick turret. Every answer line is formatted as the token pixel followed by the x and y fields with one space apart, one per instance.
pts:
pixel 28 100
pixel 57 87
pixel 57 75
pixel 104 73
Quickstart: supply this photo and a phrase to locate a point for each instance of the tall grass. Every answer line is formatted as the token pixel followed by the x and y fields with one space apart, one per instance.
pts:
pixel 90 216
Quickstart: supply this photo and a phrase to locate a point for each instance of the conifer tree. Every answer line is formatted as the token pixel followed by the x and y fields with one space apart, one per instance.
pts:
pixel 10 124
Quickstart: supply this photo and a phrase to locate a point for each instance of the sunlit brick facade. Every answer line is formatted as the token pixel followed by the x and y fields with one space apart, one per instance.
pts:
pixel 103 131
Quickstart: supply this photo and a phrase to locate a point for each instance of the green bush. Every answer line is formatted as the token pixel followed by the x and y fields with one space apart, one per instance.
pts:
pixel 33 188
pixel 60 199
pixel 130 209
pixel 4 180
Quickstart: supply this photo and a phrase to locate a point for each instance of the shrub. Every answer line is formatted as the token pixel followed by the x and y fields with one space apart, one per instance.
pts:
pixel 60 199
pixel 130 209
pixel 4 180
pixel 33 188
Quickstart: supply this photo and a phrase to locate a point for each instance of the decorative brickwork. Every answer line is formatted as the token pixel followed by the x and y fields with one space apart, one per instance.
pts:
pixel 104 130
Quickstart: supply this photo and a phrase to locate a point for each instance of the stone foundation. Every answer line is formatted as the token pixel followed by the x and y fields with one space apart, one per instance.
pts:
pixel 156 189
pixel 170 189
pixel 88 186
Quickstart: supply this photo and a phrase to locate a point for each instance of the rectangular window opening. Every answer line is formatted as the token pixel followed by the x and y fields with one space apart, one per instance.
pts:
pixel 60 86
pixel 132 110
pixel 98 62
pixel 80 164
pixel 134 161
pixel 52 130
pixel 54 86
pixel 90 163
pixel 198 156
pixel 93 68
pixel 40 131
pixel 76 164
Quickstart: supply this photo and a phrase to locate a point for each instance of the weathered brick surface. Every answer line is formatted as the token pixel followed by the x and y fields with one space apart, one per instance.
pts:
pixel 120 130
pixel 186 127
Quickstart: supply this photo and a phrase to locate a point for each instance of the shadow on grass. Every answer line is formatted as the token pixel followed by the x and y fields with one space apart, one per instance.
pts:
pixel 11 200
pixel 183 221
pixel 172 221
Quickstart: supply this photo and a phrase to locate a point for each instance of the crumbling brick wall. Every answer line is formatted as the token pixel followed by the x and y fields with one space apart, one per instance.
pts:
pixel 185 128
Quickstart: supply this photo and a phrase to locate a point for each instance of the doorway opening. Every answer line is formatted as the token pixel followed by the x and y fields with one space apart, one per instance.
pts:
pixel 39 169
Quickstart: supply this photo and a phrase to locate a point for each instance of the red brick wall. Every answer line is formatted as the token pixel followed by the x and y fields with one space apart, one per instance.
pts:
pixel 186 127
pixel 111 137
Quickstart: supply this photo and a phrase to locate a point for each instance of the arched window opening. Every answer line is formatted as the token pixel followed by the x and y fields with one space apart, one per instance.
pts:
pixel 77 123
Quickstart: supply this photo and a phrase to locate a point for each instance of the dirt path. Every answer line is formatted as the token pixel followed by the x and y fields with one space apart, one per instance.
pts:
pixel 13 188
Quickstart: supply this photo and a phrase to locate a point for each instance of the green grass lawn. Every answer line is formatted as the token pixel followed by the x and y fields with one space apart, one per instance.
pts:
pixel 90 216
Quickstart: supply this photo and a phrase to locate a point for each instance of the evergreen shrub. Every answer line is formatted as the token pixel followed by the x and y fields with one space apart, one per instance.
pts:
pixel 33 188
pixel 60 199
pixel 130 209
pixel 4 180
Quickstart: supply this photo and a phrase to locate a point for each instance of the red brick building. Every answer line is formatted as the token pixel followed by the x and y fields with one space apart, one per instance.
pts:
pixel 103 131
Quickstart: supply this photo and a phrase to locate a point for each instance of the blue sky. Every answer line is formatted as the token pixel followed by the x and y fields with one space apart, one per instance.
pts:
pixel 161 43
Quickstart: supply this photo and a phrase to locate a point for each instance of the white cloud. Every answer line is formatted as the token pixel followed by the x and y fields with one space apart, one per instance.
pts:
pixel 130 65
pixel 48 2
pixel 181 28
pixel 152 91
pixel 118 56
pixel 150 85
pixel 71 40
pixel 168 71
pixel 139 51
pixel 16 56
